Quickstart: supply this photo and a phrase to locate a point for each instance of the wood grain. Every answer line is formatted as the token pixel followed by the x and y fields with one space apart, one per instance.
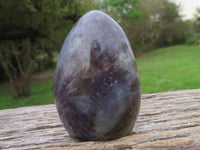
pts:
pixel 169 120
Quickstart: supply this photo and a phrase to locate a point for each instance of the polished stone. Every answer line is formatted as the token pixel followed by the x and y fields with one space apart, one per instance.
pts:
pixel 96 86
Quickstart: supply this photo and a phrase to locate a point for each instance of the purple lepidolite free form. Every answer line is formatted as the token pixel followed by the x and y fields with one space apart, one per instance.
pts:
pixel 96 87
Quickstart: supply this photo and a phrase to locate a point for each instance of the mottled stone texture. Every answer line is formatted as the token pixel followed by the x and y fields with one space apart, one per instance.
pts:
pixel 96 87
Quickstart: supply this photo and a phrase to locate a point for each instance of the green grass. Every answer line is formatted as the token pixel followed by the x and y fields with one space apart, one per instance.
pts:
pixel 166 69
pixel 41 93
pixel 169 69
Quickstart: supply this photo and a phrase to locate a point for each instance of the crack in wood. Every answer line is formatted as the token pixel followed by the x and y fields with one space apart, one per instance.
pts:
pixel 171 110
pixel 44 127
pixel 170 129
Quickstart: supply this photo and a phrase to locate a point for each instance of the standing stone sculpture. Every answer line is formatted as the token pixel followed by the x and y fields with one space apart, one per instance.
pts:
pixel 96 86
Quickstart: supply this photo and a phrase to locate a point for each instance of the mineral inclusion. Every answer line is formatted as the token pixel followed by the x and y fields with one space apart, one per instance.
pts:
pixel 96 86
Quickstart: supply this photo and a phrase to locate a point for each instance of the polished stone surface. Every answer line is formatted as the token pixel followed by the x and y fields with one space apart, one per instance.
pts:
pixel 96 86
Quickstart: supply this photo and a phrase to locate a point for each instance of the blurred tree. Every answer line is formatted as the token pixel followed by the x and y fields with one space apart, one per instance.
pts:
pixel 30 30
pixel 195 36
pixel 161 24
pixel 122 9
pixel 126 12
pixel 197 18
pixel 17 64
pixel 148 23
pixel 172 24
pixel 148 28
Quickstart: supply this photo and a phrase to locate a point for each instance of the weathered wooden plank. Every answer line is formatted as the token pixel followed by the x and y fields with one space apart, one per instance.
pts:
pixel 169 120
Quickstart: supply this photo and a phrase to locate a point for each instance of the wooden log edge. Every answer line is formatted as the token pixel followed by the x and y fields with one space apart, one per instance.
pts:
pixel 168 120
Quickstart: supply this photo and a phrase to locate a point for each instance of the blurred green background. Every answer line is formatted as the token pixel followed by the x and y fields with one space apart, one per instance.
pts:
pixel 165 43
